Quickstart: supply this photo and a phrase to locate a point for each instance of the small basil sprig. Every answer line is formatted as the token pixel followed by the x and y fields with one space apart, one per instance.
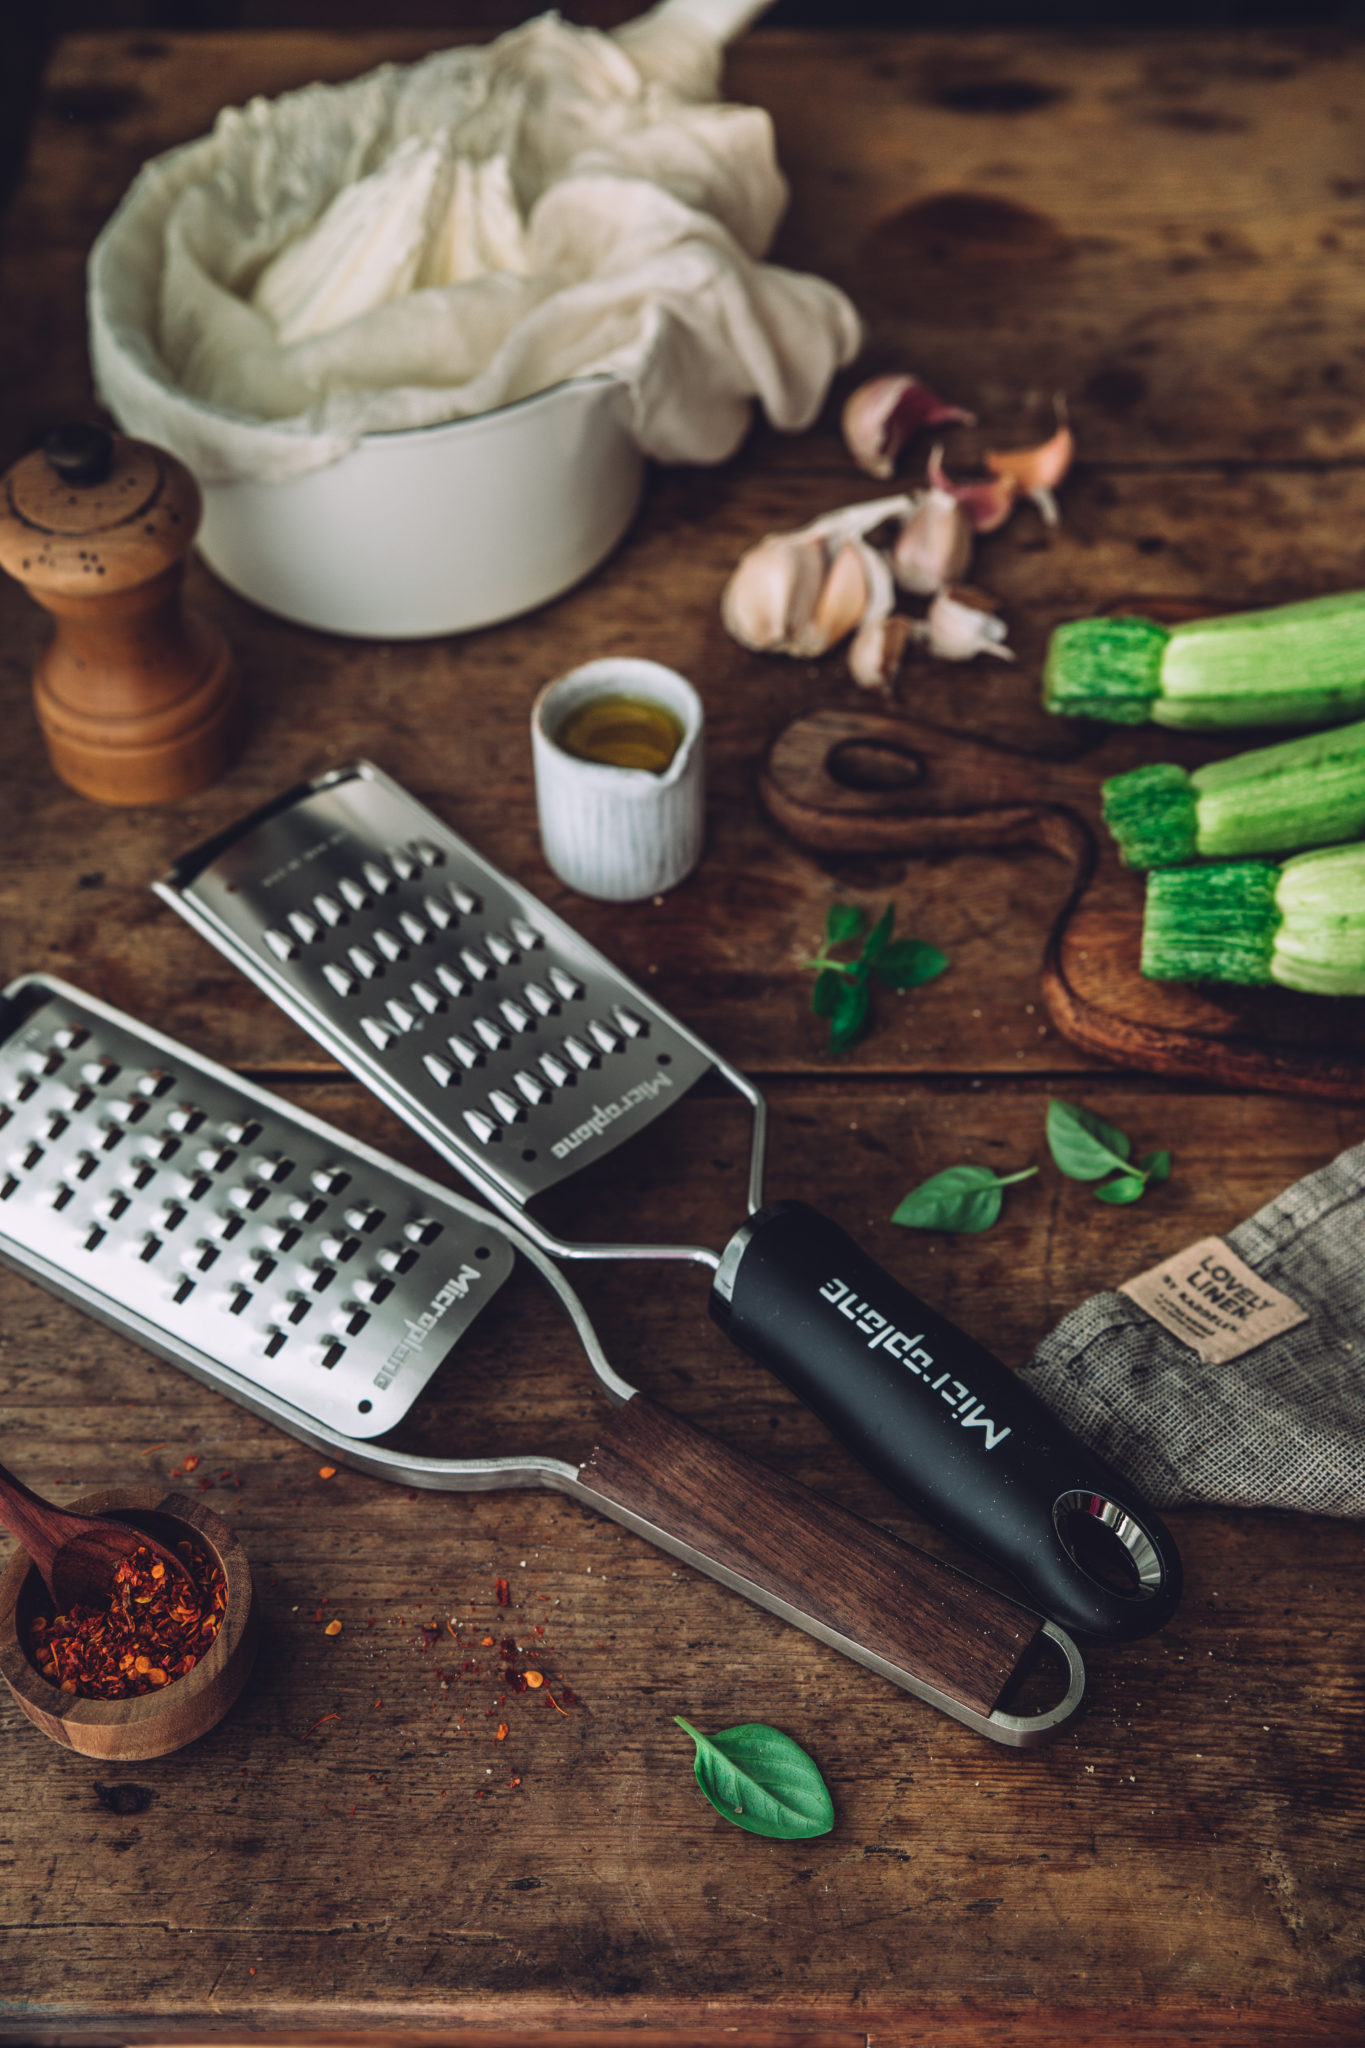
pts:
pixel 759 1779
pixel 963 1198
pixel 1086 1148
pixel 842 991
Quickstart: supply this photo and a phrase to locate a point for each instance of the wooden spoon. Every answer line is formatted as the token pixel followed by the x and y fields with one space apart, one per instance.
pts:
pixel 76 1555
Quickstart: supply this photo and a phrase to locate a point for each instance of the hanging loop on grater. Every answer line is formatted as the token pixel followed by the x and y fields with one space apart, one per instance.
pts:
pixel 521 1054
pixel 321 1285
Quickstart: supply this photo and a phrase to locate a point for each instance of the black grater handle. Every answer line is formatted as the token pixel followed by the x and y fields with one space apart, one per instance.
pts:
pixel 944 1424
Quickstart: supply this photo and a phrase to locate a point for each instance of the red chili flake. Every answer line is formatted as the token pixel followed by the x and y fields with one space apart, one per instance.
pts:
pixel 514 1781
pixel 321 1718
pixel 192 1462
pixel 502 1733
pixel 430 1636
pixel 155 1629
pixel 504 1596
pixel 539 1629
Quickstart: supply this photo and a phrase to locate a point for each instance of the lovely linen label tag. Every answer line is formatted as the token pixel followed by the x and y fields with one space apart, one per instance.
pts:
pixel 1213 1302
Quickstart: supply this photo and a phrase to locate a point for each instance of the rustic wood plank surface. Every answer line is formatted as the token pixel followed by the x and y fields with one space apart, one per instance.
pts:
pixel 1170 230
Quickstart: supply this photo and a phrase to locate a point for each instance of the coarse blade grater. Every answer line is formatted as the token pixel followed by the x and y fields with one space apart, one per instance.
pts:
pixel 320 1284
pixel 520 1053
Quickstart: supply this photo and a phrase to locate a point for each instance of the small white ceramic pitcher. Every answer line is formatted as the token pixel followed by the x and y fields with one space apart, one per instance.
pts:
pixel 619 834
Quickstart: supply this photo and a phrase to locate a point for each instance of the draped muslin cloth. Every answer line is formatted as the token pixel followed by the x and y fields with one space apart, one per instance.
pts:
pixel 436 240
pixel 1283 1426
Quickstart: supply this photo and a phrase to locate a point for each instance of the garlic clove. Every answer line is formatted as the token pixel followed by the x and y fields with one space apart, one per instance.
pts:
pixel 773 591
pixel 987 501
pixel 842 601
pixel 878 648
pixel 1037 471
pixel 882 414
pixel 957 630
pixel 934 546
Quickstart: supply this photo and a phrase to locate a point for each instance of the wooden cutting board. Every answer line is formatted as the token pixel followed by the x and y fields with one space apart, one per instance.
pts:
pixel 851 781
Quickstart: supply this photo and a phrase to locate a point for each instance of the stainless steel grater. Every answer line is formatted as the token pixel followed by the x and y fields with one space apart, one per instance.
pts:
pixel 240 1237
pixel 521 1054
pixel 483 1019
pixel 320 1284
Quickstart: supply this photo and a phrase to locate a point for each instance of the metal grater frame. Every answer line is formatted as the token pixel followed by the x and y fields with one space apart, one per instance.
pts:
pixel 231 1233
pixel 480 1017
pixel 138 1178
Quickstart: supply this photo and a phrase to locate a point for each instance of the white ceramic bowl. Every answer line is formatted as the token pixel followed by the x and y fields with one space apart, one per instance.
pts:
pixel 437 529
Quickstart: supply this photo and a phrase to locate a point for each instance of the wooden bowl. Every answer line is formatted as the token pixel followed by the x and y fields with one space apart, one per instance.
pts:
pixel 154 1723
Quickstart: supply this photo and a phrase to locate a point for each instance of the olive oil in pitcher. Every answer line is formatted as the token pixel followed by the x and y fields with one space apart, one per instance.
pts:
pixel 622 732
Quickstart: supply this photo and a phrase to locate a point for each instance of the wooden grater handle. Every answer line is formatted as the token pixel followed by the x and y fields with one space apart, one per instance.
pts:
pixel 918 1622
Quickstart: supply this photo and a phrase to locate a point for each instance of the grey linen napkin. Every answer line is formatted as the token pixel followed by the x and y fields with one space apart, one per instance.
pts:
pixel 1282 1426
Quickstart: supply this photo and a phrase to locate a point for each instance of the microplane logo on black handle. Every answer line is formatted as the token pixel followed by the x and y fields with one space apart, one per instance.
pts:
pixel 882 1334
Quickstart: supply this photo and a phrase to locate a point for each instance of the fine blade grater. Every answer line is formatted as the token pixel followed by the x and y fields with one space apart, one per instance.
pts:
pixel 320 1284
pixel 521 1054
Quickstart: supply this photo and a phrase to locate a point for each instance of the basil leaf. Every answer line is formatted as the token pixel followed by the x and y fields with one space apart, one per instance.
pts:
pixel 849 1015
pixel 829 986
pixel 844 922
pixel 1156 1165
pixel 961 1198
pixel 759 1779
pixel 878 936
pixel 909 963
pixel 1125 1187
pixel 1083 1145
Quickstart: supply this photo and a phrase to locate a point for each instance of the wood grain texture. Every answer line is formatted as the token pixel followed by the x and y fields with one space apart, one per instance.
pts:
pixel 795 1546
pixel 1188 1861
pixel 958 793
pixel 1160 509
pixel 1171 229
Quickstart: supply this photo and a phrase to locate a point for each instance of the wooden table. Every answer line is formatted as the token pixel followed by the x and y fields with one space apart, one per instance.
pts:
pixel 1170 231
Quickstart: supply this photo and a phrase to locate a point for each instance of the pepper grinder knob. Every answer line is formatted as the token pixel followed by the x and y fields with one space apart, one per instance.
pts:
pixel 80 453
pixel 137 698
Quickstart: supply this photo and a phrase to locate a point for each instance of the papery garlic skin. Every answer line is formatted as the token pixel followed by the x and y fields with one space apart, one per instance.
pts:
pixel 954 631
pixel 772 594
pixel 799 593
pixel 934 546
pixel 987 501
pixel 1036 472
pixel 882 415
pixel 878 649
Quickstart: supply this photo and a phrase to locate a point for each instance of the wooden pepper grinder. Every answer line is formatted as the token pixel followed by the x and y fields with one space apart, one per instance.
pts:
pixel 138 700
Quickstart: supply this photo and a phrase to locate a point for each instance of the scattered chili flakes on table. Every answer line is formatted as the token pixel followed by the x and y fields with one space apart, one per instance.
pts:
pixel 155 1629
